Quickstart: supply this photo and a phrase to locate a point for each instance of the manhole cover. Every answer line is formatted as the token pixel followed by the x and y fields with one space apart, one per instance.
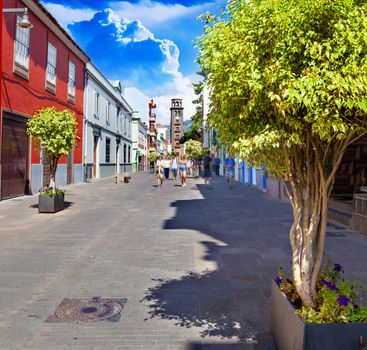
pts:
pixel 88 310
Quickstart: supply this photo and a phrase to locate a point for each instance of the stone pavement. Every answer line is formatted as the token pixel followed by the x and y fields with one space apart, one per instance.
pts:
pixel 195 265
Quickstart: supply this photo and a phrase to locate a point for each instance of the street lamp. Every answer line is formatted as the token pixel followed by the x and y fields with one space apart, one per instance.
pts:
pixel 24 22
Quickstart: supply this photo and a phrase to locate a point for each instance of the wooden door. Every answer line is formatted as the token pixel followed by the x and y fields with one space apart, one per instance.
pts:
pixel 14 157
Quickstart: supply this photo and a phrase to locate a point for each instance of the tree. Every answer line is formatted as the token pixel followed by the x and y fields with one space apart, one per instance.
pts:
pixel 288 87
pixel 55 133
pixel 152 156
pixel 194 133
pixel 194 150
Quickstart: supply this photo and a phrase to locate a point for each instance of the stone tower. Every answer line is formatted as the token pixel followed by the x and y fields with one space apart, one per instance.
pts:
pixel 177 129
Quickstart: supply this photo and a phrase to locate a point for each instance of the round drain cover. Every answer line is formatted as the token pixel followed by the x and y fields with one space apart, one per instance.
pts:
pixel 88 310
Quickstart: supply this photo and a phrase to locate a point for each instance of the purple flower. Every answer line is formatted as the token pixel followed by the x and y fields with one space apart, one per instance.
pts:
pixel 329 285
pixel 343 300
pixel 338 268
pixel 278 281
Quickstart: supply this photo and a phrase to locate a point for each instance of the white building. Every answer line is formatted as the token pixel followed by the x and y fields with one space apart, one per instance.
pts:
pixel 162 136
pixel 140 143
pixel 107 127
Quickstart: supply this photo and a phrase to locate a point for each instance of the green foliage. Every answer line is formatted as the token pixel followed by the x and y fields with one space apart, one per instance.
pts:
pixel 54 132
pixel 336 297
pixel 280 69
pixel 51 192
pixel 194 133
pixel 194 150
pixel 152 156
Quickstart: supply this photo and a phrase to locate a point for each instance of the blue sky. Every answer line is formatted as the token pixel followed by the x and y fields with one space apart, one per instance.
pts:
pixel 143 43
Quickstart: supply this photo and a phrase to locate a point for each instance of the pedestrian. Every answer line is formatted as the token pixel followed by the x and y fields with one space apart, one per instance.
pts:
pixel 207 170
pixel 182 163
pixel 216 165
pixel 166 167
pixel 174 164
pixel 159 171
pixel 229 165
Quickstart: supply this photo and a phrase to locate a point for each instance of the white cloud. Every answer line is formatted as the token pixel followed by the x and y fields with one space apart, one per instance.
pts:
pixel 66 15
pixel 128 28
pixel 179 87
pixel 152 13
pixel 172 53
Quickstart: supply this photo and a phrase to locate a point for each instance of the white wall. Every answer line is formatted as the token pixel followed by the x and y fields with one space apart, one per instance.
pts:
pixel 113 119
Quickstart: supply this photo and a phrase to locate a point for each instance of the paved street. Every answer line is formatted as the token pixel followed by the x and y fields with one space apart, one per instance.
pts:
pixel 194 264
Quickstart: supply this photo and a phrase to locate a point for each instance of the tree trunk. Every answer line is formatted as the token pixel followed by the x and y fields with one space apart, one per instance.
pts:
pixel 312 170
pixel 307 240
pixel 53 167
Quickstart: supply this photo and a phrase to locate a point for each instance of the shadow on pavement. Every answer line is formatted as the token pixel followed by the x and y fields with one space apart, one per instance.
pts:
pixel 66 205
pixel 231 301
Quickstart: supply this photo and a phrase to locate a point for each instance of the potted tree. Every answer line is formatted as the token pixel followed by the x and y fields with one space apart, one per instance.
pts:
pixel 288 87
pixel 54 133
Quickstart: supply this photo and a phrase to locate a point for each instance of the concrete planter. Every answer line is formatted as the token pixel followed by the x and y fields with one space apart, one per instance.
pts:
pixel 51 204
pixel 291 333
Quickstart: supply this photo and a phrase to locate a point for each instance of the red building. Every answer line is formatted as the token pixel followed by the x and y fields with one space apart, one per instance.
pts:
pixel 40 67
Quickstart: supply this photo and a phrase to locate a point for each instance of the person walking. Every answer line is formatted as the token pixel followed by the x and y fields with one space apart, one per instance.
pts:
pixel 229 165
pixel 166 167
pixel 216 165
pixel 182 163
pixel 208 170
pixel 159 171
pixel 174 165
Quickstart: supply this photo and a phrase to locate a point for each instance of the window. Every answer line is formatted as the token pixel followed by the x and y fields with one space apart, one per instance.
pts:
pixel 124 153
pixel 129 154
pixel 177 128
pixel 21 57
pixel 51 67
pixel 125 125
pixel 71 82
pixel 108 111
pixel 96 104
pixel 108 147
pixel 118 118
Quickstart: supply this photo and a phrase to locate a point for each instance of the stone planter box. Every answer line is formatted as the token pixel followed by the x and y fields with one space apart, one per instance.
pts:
pixel 291 333
pixel 51 204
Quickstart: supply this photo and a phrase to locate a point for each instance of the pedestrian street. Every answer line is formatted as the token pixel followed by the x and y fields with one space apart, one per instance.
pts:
pixel 193 265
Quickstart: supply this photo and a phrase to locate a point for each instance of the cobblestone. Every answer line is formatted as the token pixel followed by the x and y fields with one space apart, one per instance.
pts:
pixel 195 265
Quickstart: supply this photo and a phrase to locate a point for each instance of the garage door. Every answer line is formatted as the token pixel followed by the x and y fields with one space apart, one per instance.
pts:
pixel 14 157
